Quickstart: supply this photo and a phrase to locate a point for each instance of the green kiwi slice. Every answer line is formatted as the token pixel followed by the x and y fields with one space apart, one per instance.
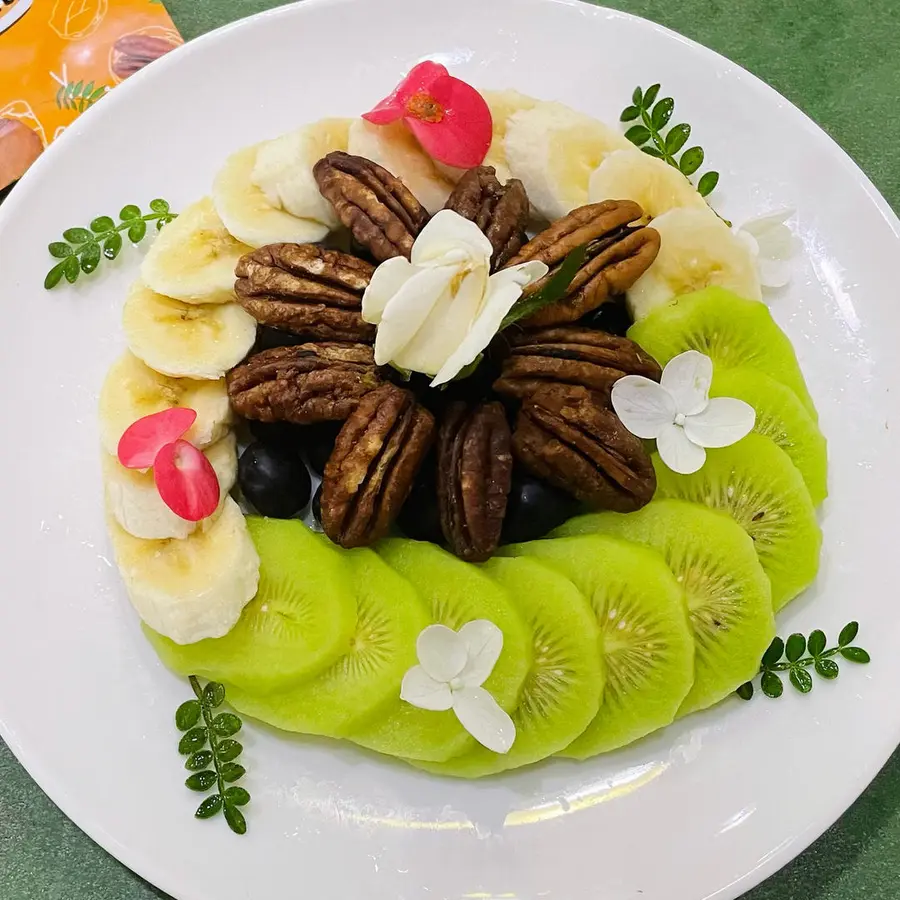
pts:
pixel 732 331
pixel 354 690
pixel 299 623
pixel 782 417
pixel 562 689
pixel 729 600
pixel 755 482
pixel 455 592
pixel 645 639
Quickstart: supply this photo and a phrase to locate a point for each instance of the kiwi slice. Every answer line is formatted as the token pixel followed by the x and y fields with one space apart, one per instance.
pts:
pixel 782 417
pixel 645 640
pixel 455 592
pixel 562 689
pixel 301 620
pixel 732 331
pixel 367 678
pixel 729 600
pixel 755 482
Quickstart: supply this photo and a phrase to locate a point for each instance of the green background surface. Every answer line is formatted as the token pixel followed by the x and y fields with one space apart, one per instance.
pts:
pixel 839 61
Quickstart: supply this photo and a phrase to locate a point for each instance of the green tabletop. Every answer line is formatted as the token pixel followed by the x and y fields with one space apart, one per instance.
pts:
pixel 837 60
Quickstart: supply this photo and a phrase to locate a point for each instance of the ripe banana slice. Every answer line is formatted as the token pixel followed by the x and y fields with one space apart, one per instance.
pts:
pixel 133 390
pixel 284 169
pixel 249 214
pixel 395 148
pixel 652 183
pixel 134 501
pixel 554 149
pixel 194 588
pixel 193 258
pixel 185 340
pixel 697 250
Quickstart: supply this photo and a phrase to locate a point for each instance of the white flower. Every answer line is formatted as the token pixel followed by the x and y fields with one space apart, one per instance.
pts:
pixel 437 312
pixel 773 244
pixel 679 414
pixel 452 668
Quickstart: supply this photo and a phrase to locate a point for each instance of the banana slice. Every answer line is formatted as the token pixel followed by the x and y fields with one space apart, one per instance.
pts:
pixel 554 149
pixel 652 183
pixel 133 390
pixel 394 147
pixel 249 214
pixel 284 169
pixel 194 588
pixel 697 250
pixel 134 502
pixel 185 340
pixel 193 258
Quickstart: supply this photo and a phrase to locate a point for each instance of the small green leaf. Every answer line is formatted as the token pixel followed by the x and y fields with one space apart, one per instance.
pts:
pixel 848 634
pixel 773 654
pixel 112 245
pixel 228 750
pixel 817 642
pixel 745 691
pixel 677 138
pixel 795 648
pixel 236 821
pixel 86 90
pixel 59 250
pixel 192 740
pixel 662 112
pixel 97 94
pixel 708 183
pixel 771 685
pixel 137 231
pixel 638 134
pixel 54 276
pixel 77 235
pixel 226 724
pixel 213 695
pixel 236 796
pixel 198 761
pixel 801 679
pixel 650 150
pixel 827 668
pixel 90 257
pixel 691 160
pixel 161 222
pixel 201 781
pixel 102 223
pixel 637 97
pixel 71 269
pixel 629 114
pixel 129 212
pixel 650 95
pixel 187 715
pixel 60 96
pixel 553 289
pixel 232 771
pixel 209 807
pixel 77 89
pixel 160 206
pixel 855 654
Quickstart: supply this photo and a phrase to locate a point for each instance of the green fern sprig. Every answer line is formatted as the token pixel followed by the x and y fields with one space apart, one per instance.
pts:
pixel 78 95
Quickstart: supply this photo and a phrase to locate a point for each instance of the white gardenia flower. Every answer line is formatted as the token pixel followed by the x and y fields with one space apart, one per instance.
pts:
pixel 679 414
pixel 437 311
pixel 453 666
pixel 773 244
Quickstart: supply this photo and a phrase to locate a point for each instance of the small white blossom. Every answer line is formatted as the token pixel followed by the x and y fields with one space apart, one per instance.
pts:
pixel 772 244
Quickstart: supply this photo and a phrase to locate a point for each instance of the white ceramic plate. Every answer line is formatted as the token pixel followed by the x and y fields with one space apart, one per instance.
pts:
pixel 705 809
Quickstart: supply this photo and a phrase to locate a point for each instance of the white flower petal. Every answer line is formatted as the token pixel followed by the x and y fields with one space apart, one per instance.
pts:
pixel 643 406
pixel 448 230
pixel 759 225
pixel 724 422
pixel 779 243
pixel 481 715
pixel 484 643
pixel 748 241
pixel 774 273
pixel 687 378
pixel 523 274
pixel 678 452
pixel 386 282
pixel 441 651
pixel 420 689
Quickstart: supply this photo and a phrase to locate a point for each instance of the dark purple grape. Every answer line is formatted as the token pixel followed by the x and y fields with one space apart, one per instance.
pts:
pixel 282 435
pixel 317 442
pixel 420 518
pixel 534 509
pixel 612 317
pixel 276 481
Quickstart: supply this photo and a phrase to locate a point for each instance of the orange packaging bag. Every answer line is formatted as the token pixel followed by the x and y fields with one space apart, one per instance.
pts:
pixel 60 57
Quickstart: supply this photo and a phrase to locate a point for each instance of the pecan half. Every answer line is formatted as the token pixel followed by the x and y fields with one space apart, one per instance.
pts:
pixel 373 465
pixel 573 355
pixel 474 478
pixel 564 436
pixel 617 255
pixel 380 211
pixel 306 290
pixel 303 384
pixel 500 211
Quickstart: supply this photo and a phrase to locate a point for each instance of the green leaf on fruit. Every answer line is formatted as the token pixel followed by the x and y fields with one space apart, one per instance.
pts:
pixel 553 290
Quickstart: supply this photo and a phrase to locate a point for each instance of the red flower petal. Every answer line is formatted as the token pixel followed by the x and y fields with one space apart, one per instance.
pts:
pixel 186 481
pixel 143 439
pixel 393 107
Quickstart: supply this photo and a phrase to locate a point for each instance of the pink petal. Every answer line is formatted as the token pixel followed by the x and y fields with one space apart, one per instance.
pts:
pixel 480 714
pixel 144 438
pixel 393 107
pixel 186 481
pixel 678 452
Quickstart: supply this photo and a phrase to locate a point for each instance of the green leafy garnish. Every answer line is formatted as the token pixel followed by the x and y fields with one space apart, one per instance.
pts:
pixel 78 95
pixel 207 741
pixel 553 290
pixel 797 655
pixel 82 249
pixel 653 138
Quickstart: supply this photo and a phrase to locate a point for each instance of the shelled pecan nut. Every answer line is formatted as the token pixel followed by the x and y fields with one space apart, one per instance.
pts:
pixel 303 384
pixel 566 437
pixel 474 476
pixel 371 470
pixel 618 253
pixel 379 210
pixel 306 290
pixel 571 355
pixel 500 211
